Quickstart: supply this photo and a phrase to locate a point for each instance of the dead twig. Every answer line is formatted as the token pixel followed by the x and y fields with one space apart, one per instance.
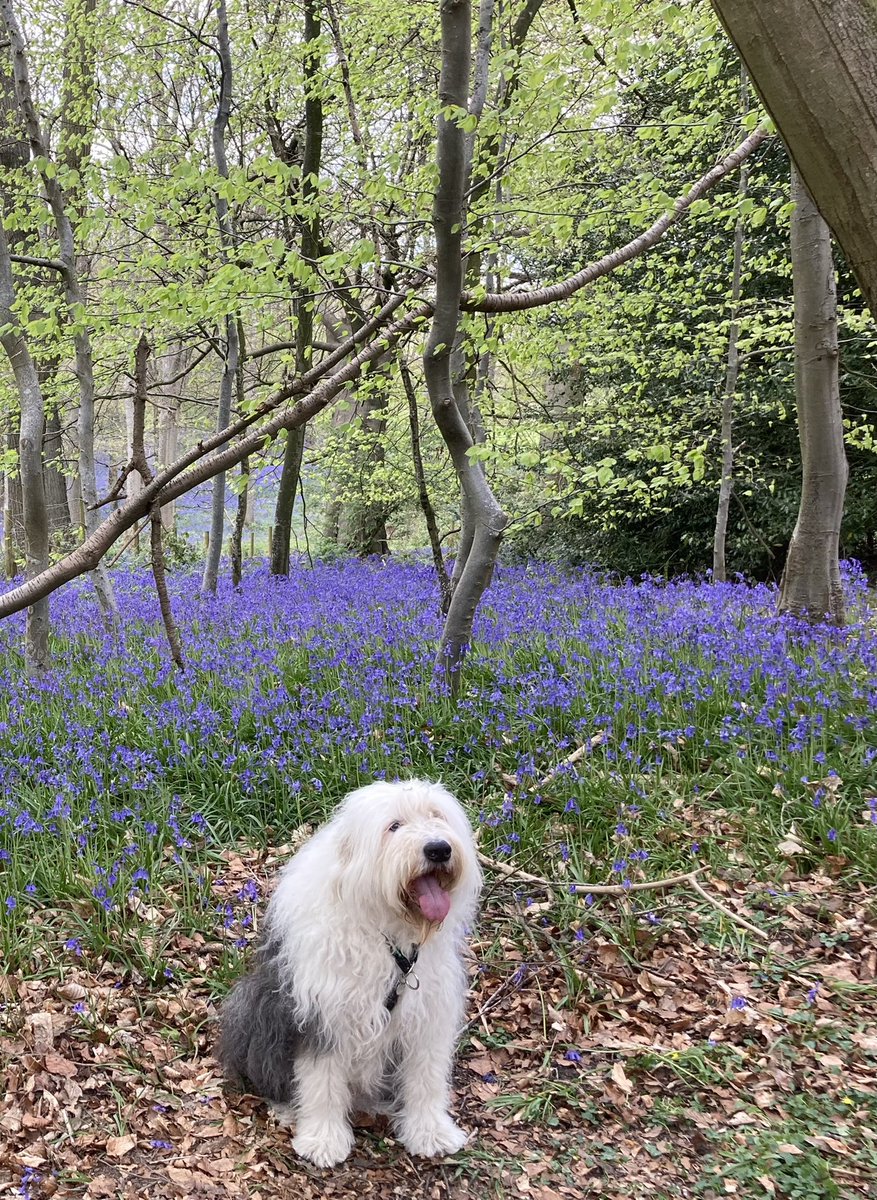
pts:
pixel 688 879
pixel 729 913
pixel 571 759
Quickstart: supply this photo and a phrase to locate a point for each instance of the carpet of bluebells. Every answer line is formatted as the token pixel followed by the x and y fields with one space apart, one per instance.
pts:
pixel 709 722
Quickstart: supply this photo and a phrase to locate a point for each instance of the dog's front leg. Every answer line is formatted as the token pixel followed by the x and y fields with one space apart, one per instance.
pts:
pixel 323 1135
pixel 424 1124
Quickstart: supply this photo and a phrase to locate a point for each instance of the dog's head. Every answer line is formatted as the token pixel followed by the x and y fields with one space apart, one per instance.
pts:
pixel 409 847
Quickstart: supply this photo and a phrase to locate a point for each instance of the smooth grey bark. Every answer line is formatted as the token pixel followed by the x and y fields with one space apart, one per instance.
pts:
pixel 73 292
pixel 171 369
pixel 13 508
pixel 14 154
pixel 138 463
pixel 236 546
pixel 482 168
pixel 240 519
pixel 304 305
pixel 732 371
pixel 488 518
pixel 811 584
pixel 56 484
pixel 815 67
pixel 30 464
pixel 225 221
pixel 426 507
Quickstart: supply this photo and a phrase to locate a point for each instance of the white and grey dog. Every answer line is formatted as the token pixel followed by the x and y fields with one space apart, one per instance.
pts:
pixel 356 998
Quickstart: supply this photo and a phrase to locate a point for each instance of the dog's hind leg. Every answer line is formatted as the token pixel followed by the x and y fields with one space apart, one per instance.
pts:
pixel 323 1135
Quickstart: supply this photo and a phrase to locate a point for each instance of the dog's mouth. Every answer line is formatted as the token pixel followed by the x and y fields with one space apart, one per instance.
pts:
pixel 430 893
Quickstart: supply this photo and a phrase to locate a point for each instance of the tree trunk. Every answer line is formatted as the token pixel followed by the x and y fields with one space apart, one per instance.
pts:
pixel 362 521
pixel 30 463
pixel 488 518
pixel 13 511
pixel 81 96
pixel 56 484
pixel 732 370
pixel 811 585
pixel 815 68
pixel 225 221
pixel 426 507
pixel 170 369
pixel 281 543
pixel 304 305
pixel 237 536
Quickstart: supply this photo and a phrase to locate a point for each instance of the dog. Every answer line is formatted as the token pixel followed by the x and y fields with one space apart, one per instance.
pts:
pixel 356 997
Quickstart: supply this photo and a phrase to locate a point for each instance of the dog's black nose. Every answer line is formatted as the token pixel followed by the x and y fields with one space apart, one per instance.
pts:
pixel 437 852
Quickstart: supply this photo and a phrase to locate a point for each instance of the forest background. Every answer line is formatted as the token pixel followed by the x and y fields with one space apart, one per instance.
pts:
pixel 244 188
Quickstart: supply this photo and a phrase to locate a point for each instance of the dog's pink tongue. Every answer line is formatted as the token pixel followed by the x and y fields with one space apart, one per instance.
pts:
pixel 434 901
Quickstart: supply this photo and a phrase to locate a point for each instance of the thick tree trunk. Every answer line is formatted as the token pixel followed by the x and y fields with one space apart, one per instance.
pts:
pixel 488 518
pixel 811 584
pixel 312 157
pixel 815 66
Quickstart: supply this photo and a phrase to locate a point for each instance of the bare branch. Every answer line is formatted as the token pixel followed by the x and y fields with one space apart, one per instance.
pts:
pixel 519 301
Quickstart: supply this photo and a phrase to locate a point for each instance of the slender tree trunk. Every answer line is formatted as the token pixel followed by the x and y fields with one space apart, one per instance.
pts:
pixel 138 463
pixel 310 245
pixel 78 102
pixel 281 544
pixel 56 484
pixel 732 371
pixel 30 463
pixel 171 367
pixel 362 522
pixel 468 389
pixel 426 507
pixel 811 585
pixel 226 239
pixel 489 520
pixel 13 509
pixel 73 293
pixel 237 537
pixel 814 65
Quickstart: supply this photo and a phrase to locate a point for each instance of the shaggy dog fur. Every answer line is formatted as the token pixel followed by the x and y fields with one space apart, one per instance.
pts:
pixel 356 997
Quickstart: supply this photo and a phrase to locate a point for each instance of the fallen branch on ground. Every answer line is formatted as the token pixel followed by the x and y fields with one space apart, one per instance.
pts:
pixel 689 878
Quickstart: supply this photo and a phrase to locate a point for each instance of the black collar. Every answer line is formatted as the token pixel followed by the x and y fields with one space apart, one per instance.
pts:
pixel 405 963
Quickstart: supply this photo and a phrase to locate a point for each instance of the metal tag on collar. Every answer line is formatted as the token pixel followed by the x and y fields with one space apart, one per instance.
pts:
pixel 410 981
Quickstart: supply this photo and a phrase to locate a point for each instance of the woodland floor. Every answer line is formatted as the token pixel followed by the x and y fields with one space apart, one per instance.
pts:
pixel 692 1062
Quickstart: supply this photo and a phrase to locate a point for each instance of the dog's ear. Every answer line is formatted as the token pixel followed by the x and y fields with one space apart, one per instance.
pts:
pixel 345 847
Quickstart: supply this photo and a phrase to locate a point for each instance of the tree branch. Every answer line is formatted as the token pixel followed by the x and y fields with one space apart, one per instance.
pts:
pixel 539 297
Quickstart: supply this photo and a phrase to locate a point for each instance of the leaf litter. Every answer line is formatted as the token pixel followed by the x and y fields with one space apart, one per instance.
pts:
pixel 601 1069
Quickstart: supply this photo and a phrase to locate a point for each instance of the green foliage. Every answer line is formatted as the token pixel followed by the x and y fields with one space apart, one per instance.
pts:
pixel 599 416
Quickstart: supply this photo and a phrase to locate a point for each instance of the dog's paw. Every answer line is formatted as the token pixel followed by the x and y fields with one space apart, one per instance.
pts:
pixel 324 1145
pixel 432 1138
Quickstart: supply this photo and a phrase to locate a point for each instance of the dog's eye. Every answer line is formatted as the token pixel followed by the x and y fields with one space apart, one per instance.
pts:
pixel 396 825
